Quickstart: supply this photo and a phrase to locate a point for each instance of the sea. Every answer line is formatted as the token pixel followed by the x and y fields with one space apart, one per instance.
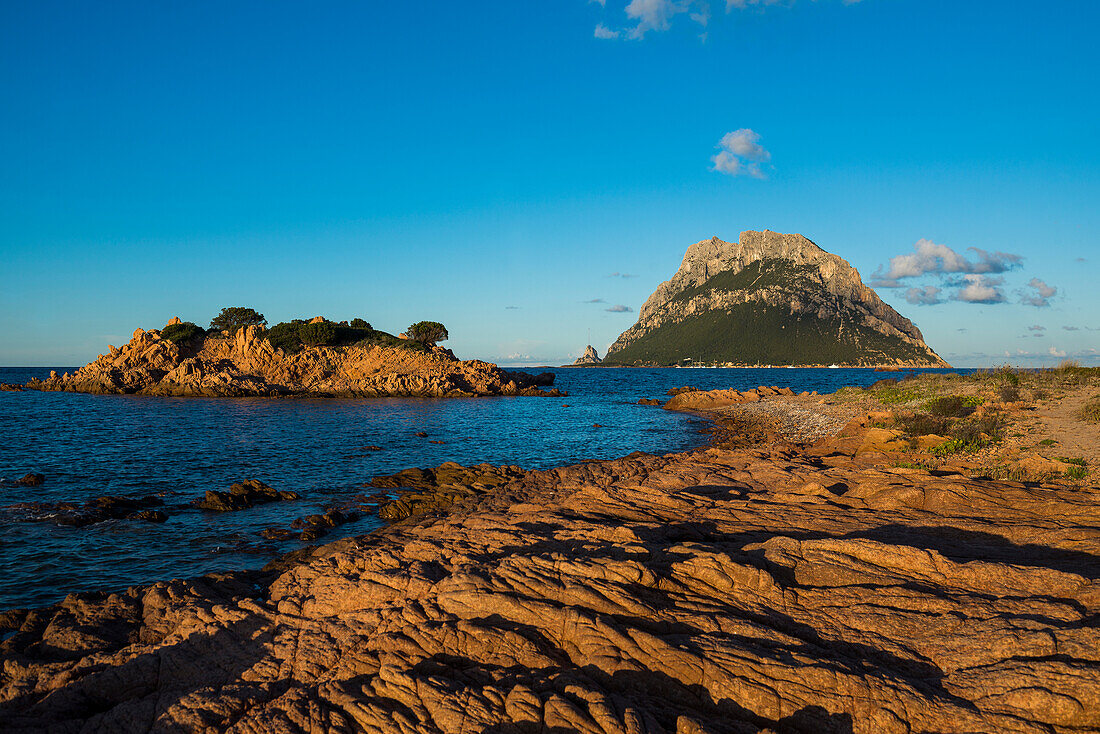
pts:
pixel 89 446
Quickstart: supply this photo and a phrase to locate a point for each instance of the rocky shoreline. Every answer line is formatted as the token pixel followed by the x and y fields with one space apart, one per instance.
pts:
pixel 783 579
pixel 247 365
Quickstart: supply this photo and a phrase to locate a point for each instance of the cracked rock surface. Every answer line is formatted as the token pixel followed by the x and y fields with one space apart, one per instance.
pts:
pixel 722 590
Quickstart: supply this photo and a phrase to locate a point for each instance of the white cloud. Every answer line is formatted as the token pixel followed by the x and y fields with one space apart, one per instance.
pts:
pixel 653 15
pixel 1036 327
pixel 741 154
pixel 1055 352
pixel 1041 296
pixel 658 15
pixel 929 295
pixel 619 308
pixel 930 258
pixel 980 289
pixel 603 31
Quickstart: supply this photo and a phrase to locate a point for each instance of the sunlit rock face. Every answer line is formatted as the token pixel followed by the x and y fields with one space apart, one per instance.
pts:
pixel 769 298
pixel 246 364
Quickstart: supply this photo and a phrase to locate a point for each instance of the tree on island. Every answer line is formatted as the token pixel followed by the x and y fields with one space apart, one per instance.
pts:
pixel 428 332
pixel 317 334
pixel 236 317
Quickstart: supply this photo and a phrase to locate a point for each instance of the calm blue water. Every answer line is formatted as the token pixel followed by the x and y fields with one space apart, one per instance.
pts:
pixel 92 445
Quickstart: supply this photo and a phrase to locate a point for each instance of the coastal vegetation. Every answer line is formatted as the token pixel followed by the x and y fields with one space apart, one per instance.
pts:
pixel 428 332
pixel 232 318
pixel 182 333
pixel 294 335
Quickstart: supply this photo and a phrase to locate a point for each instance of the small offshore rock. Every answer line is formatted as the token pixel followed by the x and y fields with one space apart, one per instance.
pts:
pixel 31 480
pixel 242 496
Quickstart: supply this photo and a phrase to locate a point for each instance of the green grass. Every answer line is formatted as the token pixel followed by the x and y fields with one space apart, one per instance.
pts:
pixel 958 446
pixel 757 334
pixel 1077 472
pixel 1047 442
pixel 1077 461
pixel 1091 410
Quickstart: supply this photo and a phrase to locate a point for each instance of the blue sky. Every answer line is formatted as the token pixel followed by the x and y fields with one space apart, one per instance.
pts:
pixel 490 165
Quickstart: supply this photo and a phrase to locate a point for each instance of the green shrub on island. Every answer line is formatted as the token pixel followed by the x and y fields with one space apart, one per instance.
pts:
pixel 294 335
pixel 182 333
pixel 317 334
pixel 233 318
pixel 428 332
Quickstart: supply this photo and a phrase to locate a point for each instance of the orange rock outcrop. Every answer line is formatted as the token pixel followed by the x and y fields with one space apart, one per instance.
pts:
pixel 246 364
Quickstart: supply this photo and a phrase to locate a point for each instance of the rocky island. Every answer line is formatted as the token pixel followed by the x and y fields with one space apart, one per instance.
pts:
pixel 769 299
pixel 349 361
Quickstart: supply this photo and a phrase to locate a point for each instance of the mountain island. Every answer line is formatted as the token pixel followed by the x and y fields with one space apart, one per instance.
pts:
pixel 769 299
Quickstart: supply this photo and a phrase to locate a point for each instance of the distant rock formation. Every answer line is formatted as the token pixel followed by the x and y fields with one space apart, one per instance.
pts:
pixel 769 298
pixel 246 364
pixel 590 356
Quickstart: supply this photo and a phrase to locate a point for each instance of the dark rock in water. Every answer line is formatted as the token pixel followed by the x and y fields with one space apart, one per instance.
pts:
pixel 31 480
pixel 148 516
pixel 278 533
pixel 371 448
pixel 421 434
pixel 5 387
pixel 242 496
pixel 543 379
pixel 311 527
pixel 649 401
pixel 678 390
pixel 100 509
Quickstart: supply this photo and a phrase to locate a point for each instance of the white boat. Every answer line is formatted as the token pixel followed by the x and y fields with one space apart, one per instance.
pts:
pixel 834 366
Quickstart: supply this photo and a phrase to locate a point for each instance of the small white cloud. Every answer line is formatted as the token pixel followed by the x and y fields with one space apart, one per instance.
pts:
pixel 1055 352
pixel 740 154
pixel 1036 327
pixel 603 31
pixel 1040 295
pixel 930 258
pixel 980 289
pixel 929 295
pixel 619 308
pixel 653 15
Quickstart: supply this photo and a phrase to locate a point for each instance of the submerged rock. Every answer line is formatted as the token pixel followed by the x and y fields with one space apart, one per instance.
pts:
pixel 30 480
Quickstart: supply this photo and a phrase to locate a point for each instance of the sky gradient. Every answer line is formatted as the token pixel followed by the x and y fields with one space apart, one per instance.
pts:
pixel 527 173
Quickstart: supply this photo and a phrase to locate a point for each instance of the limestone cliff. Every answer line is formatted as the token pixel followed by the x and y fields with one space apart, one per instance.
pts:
pixel 769 298
pixel 246 364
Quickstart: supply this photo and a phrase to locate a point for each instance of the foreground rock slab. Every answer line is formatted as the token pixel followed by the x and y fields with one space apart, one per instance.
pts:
pixel 725 590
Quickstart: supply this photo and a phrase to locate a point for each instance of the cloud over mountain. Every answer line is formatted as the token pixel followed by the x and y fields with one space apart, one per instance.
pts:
pixel 741 154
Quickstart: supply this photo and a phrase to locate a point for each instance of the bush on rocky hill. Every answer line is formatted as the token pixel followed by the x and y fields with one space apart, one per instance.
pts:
pixel 182 333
